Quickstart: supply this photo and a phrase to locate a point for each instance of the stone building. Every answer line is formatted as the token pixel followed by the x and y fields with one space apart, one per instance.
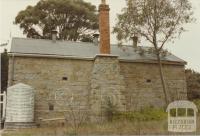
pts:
pixel 86 74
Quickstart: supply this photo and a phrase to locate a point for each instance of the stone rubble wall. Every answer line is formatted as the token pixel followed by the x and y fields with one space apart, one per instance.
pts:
pixel 144 88
pixel 46 76
pixel 87 79
pixel 106 85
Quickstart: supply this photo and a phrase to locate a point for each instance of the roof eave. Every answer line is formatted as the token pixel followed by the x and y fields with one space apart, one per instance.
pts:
pixel 155 62
pixel 91 58
pixel 48 56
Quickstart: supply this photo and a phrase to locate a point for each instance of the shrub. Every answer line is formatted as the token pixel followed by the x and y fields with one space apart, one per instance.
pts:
pixel 193 84
pixel 146 114
pixel 197 102
pixel 110 109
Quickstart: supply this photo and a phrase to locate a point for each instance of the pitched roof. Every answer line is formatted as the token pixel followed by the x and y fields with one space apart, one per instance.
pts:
pixel 82 50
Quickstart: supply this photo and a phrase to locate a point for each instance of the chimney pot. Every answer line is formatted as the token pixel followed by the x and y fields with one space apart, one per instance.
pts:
pixel 103 1
pixel 96 39
pixel 54 35
pixel 135 41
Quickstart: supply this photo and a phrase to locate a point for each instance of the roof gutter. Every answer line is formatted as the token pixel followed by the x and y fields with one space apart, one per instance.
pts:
pixel 49 56
pixel 92 58
pixel 155 62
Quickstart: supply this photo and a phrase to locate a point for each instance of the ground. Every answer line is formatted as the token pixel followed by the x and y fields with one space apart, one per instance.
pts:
pixel 107 128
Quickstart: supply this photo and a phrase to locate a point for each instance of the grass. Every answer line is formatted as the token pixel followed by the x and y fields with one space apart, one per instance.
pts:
pixel 197 103
pixel 106 128
pixel 147 121
pixel 147 114
pixel 117 127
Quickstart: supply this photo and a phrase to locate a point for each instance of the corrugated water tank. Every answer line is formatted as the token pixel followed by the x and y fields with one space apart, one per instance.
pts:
pixel 20 104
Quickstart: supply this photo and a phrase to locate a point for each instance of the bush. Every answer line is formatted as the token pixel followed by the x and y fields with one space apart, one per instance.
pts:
pixel 110 110
pixel 197 102
pixel 146 114
pixel 193 84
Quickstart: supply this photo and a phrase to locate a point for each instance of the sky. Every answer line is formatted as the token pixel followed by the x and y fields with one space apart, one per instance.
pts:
pixel 187 47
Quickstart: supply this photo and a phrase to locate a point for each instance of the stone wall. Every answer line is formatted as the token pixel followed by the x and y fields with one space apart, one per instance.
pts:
pixel 61 83
pixel 143 84
pixel 107 85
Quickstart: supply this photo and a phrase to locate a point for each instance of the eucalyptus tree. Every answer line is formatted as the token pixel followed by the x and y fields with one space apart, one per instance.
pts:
pixel 73 19
pixel 157 21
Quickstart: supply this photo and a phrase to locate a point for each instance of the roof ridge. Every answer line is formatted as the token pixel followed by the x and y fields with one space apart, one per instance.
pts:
pixel 24 38
pixel 112 44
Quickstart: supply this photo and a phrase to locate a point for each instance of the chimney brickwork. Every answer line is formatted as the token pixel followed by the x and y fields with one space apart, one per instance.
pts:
pixel 104 28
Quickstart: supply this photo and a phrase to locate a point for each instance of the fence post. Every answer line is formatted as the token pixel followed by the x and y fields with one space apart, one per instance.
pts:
pixel 4 105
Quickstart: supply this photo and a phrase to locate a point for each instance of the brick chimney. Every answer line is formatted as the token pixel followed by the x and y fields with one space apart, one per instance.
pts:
pixel 104 28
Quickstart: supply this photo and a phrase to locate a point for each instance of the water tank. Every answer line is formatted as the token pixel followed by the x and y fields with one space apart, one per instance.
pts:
pixel 20 106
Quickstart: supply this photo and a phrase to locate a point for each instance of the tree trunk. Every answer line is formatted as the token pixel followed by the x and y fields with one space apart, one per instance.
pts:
pixel 162 78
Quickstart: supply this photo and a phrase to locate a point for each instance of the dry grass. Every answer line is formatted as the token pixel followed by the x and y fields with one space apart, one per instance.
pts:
pixel 106 128
pixel 125 128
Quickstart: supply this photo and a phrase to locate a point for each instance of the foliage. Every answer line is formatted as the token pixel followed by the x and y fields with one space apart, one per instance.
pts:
pixel 110 109
pixel 157 21
pixel 193 84
pixel 150 18
pixel 76 117
pixel 146 114
pixel 105 128
pixel 142 51
pixel 73 19
pixel 4 70
pixel 197 103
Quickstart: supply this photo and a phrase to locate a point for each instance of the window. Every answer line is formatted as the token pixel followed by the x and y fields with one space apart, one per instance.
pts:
pixel 51 107
pixel 64 78
pixel 148 80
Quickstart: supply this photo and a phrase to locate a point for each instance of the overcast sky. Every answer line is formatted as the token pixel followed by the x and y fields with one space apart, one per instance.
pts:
pixel 187 47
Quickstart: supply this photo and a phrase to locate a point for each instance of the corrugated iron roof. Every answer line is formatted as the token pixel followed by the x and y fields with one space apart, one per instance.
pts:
pixel 82 50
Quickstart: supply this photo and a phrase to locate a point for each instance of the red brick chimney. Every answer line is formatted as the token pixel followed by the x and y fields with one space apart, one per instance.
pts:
pixel 104 28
